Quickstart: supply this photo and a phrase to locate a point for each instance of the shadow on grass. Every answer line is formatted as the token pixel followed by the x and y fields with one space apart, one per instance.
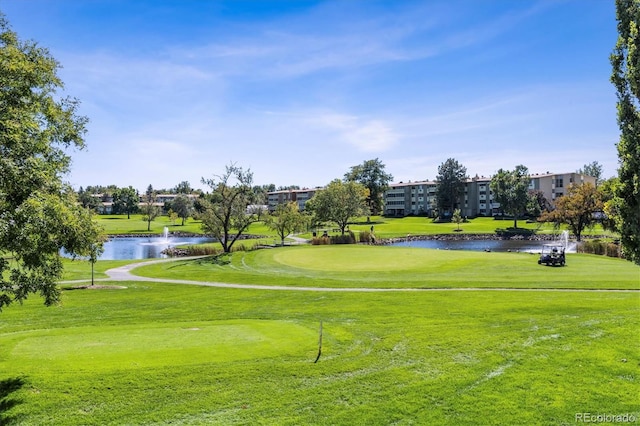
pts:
pixel 513 232
pixel 217 259
pixel 7 402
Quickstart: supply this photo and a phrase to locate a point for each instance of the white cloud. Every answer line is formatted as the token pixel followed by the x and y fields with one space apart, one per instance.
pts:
pixel 366 135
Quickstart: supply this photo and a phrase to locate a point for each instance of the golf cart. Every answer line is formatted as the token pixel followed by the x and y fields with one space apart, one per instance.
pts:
pixel 552 254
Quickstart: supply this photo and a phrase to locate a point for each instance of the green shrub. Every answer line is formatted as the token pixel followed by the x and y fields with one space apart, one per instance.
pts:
pixel 599 247
pixel 239 247
pixel 364 237
pixel 512 232
pixel 349 238
pixel 320 241
pixel 199 250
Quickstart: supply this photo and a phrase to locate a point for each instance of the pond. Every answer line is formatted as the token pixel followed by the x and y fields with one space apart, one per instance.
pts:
pixel 478 245
pixel 118 248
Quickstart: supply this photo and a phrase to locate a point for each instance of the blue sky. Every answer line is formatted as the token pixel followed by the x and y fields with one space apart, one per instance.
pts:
pixel 300 91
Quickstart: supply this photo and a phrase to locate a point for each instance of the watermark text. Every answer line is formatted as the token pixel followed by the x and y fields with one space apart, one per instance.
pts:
pixel 606 418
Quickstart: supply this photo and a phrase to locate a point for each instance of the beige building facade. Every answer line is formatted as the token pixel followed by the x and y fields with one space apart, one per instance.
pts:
pixel 419 198
pixel 300 196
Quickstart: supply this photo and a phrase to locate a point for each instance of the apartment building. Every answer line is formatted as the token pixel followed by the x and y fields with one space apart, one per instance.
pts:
pixel 419 198
pixel 300 196
pixel 403 199
pixel 106 204
pixel 554 185
pixel 478 198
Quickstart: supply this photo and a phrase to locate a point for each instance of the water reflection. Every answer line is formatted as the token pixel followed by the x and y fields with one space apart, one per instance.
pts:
pixel 144 247
pixel 477 245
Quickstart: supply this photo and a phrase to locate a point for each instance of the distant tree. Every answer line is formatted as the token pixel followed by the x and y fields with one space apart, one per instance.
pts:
pixel 288 187
pixel 578 209
pixel 39 213
pixel 150 210
pixel 126 200
pixel 593 169
pixel 183 187
pixel 260 194
pixel 88 200
pixel 626 78
pixel 182 206
pixel 225 210
pixel 287 219
pixel 537 203
pixel 96 249
pixel 339 202
pixel 372 176
pixel 457 218
pixel 173 216
pixel 451 180
pixel 511 189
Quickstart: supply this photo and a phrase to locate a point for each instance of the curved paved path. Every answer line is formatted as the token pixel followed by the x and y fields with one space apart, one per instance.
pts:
pixel 123 273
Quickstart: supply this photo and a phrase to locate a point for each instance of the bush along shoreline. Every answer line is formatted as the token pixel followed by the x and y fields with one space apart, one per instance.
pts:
pixel 589 245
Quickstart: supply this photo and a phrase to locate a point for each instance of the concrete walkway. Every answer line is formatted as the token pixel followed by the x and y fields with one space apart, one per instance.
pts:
pixel 123 273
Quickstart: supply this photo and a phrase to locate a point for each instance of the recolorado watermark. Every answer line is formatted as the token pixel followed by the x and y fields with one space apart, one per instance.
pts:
pixel 606 418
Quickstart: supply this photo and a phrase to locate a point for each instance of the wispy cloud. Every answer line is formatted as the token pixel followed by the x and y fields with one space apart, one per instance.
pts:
pixel 414 82
pixel 328 39
pixel 366 135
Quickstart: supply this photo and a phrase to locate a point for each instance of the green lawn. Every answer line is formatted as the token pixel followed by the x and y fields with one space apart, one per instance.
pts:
pixel 383 227
pixel 157 353
pixel 394 267
pixel 160 354
pixel 119 224
pixel 412 225
pixel 81 269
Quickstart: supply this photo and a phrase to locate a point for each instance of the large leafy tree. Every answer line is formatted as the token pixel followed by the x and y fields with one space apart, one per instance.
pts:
pixel 225 213
pixel 451 180
pixel 287 219
pixel 88 200
pixel 125 200
pixel 578 209
pixel 339 202
pixel 372 176
pixel 612 204
pixel 511 189
pixel 537 203
pixel 182 206
pixel 625 60
pixel 39 213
